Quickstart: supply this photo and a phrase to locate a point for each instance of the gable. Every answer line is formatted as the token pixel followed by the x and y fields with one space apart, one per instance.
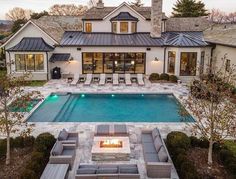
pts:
pixel 29 30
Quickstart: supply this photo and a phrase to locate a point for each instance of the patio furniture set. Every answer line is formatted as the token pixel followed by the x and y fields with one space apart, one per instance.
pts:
pixel 111 143
pixel 102 79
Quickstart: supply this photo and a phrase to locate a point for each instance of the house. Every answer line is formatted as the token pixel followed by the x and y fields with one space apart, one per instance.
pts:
pixel 123 39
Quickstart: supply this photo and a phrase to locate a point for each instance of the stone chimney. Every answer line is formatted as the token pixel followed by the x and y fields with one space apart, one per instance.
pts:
pixel 156 18
pixel 100 4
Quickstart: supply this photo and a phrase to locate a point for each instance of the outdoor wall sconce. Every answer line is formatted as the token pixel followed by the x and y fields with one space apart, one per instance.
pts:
pixel 79 49
pixel 156 59
pixel 148 49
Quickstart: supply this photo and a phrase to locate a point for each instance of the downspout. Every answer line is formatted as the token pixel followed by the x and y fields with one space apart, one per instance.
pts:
pixel 47 67
pixel 211 59
pixel 9 60
pixel 164 66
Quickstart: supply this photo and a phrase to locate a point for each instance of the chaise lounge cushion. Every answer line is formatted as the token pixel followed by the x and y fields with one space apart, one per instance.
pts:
pixel 146 138
pixel 151 157
pixel 162 155
pixel 103 130
pixel 88 166
pixel 155 133
pixel 130 170
pixel 107 170
pixel 120 130
pixel 158 144
pixel 68 152
pixel 63 135
pixel 86 171
pixel 58 148
pixel 149 148
pixel 72 138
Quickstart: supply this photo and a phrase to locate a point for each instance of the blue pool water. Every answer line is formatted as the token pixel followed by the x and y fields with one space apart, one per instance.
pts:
pixel 109 108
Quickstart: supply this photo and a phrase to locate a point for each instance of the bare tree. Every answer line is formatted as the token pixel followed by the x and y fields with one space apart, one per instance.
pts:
pixel 231 18
pixel 137 3
pixel 14 101
pixel 220 17
pixel 209 102
pixel 67 10
pixel 18 13
pixel 92 3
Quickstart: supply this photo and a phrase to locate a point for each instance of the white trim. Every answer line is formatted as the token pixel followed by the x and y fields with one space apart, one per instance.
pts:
pixel 24 28
pixel 127 5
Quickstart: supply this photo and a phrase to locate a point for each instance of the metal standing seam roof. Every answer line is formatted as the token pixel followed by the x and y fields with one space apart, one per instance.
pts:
pixel 60 57
pixel 32 44
pixel 180 39
pixel 124 16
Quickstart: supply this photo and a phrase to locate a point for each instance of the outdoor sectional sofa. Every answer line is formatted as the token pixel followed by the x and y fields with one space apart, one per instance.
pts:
pixel 111 130
pixel 122 171
pixel 68 137
pixel 156 156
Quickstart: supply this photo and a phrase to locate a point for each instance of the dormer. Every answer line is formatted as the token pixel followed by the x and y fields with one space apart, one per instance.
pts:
pixel 124 23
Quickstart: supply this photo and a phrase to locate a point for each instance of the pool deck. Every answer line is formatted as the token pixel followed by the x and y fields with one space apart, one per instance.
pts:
pixel 86 129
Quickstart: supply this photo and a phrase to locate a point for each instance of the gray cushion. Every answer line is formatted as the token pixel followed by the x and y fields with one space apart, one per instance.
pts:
pixel 86 171
pixel 155 133
pixel 107 170
pixel 146 138
pixel 131 170
pixel 150 157
pixel 149 148
pixel 103 130
pixel 72 138
pixel 158 143
pixel 127 165
pixel 63 135
pixel 57 150
pixel 162 155
pixel 88 166
pixel 120 129
pixel 68 152
pixel 107 166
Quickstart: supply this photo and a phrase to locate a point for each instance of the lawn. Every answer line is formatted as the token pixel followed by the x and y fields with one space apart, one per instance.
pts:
pixel 231 145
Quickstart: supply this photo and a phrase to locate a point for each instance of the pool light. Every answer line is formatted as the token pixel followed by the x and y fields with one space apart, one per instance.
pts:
pixel 142 95
pixel 82 95
pixel 112 95
pixel 54 96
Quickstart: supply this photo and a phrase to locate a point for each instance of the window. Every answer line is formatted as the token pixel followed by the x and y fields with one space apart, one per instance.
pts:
pixel 188 63
pixel 171 62
pixel 114 27
pixel 124 27
pixel 201 70
pixel 114 62
pixel 29 62
pixel 227 65
pixel 133 27
pixel 88 27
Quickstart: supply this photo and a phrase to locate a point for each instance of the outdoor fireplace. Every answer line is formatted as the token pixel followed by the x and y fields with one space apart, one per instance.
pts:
pixel 111 143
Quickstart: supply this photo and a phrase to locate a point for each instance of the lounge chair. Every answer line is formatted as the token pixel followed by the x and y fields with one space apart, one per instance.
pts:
pixel 62 154
pixel 140 80
pixel 111 130
pixel 102 79
pixel 75 81
pixel 88 80
pixel 127 80
pixel 68 137
pixel 115 79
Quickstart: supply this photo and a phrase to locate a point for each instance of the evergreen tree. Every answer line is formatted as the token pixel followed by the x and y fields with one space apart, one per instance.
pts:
pixel 189 8
pixel 137 3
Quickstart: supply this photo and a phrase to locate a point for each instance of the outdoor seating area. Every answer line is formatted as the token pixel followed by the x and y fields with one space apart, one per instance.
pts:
pixel 110 155
pixel 101 79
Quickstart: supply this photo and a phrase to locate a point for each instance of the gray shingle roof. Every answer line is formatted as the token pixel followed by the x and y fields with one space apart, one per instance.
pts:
pixel 34 44
pixel 59 57
pixel 124 16
pixel 181 39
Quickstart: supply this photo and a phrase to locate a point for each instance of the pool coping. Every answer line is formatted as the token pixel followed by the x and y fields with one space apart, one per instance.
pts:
pixel 27 115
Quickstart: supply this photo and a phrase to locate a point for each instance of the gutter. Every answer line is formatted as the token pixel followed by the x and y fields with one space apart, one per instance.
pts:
pixel 164 66
pixel 9 60
pixel 47 66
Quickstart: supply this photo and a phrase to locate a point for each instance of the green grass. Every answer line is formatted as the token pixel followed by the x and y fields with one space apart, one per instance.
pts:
pixel 36 83
pixel 231 145
pixel 2 72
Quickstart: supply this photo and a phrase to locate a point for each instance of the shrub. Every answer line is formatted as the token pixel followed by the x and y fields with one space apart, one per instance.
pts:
pixel 203 143
pixel 154 77
pixel 234 91
pixel 37 163
pixel 225 155
pixel 29 141
pixel 188 171
pixel 44 142
pixel 173 78
pixel 3 147
pixel 194 141
pixel 178 140
pixel 231 166
pixel 181 158
pixel 164 76
pixel 28 174
pixel 17 142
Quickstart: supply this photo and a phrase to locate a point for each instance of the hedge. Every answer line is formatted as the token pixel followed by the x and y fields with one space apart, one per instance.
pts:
pixel 164 76
pixel 154 77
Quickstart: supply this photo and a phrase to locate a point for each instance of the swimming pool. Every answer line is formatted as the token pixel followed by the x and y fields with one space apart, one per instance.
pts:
pixel 109 108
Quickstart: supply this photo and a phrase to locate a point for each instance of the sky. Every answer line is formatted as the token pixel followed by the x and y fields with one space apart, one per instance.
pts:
pixel 40 5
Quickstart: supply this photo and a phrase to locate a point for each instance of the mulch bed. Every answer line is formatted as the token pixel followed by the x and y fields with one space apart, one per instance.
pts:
pixel 199 158
pixel 19 158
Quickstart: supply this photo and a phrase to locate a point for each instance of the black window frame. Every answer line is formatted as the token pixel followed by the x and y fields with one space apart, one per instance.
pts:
pixel 195 71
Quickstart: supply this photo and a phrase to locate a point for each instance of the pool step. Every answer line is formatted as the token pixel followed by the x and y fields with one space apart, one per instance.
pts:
pixel 64 110
pixel 70 108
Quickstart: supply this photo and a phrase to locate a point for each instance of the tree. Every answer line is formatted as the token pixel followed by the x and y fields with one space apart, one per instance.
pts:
pixel 36 15
pixel 67 10
pixel 12 115
pixel 189 8
pixel 209 102
pixel 18 13
pixel 92 3
pixel 220 17
pixel 17 25
pixel 137 3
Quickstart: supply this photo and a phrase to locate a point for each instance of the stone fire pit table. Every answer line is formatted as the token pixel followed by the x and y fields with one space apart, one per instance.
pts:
pixel 111 148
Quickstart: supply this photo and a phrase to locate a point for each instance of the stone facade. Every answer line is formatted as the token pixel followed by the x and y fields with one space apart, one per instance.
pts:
pixel 156 18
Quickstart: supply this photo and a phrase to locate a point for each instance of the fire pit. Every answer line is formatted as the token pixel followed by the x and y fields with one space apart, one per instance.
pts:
pixel 111 149
pixel 111 143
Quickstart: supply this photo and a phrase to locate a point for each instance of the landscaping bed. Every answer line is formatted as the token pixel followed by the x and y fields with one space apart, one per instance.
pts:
pixel 162 78
pixel 190 154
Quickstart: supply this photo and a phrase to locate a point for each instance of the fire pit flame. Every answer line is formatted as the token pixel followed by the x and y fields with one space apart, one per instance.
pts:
pixel 112 143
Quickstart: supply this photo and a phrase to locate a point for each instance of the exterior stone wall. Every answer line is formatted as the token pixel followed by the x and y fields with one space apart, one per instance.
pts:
pixel 156 18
